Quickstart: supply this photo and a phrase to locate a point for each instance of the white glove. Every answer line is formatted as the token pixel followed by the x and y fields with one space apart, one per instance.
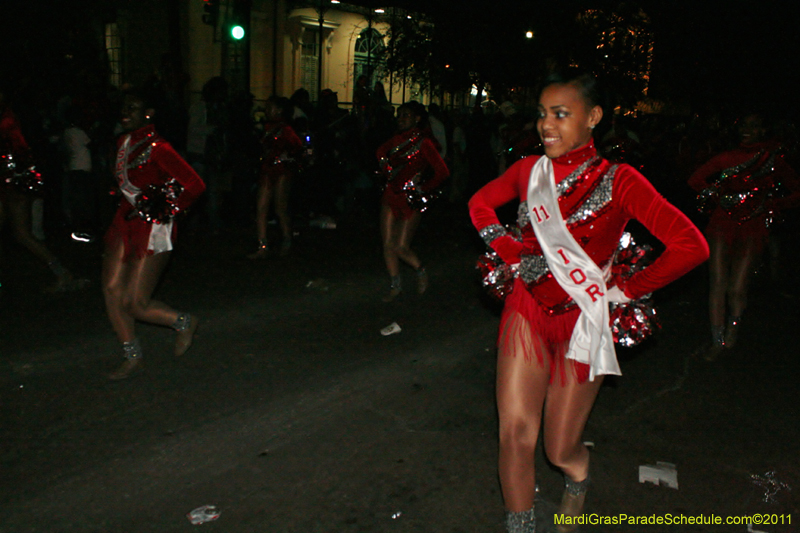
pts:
pixel 615 295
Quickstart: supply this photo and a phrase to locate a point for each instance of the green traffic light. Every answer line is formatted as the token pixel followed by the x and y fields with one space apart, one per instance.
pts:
pixel 237 32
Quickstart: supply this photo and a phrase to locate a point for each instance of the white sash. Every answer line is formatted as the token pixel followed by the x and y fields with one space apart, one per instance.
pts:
pixel 160 233
pixel 591 342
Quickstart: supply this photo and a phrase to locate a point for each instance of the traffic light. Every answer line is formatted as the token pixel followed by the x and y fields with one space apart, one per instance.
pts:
pixel 210 12
pixel 237 32
pixel 238 19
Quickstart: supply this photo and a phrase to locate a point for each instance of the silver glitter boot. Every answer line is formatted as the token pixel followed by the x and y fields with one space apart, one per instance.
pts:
pixel 132 364
pixel 522 522
pixel 572 502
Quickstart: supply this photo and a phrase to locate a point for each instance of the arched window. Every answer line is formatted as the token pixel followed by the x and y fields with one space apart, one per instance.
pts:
pixel 369 57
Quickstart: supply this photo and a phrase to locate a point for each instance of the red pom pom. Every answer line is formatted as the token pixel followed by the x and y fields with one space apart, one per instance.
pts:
pixel 157 204
pixel 497 276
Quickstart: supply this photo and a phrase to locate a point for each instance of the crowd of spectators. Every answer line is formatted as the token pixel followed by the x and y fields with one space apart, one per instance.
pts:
pixel 72 132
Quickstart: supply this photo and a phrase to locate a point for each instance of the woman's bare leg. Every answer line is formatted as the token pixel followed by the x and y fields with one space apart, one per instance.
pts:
pixel 521 390
pixel 115 279
pixel 565 414
pixel 741 271
pixel 718 267
pixel 263 198
pixel 19 213
pixel 282 189
pixel 144 275
pixel 405 234
pixel 389 238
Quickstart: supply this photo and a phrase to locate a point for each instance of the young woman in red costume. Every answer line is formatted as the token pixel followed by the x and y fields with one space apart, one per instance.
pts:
pixel 536 383
pixel 745 187
pixel 137 250
pixel 15 203
pixel 280 146
pixel 410 158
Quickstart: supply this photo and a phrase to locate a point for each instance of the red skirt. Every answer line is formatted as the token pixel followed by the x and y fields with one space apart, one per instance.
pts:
pixel 134 234
pixel 271 172
pixel 398 203
pixel 749 236
pixel 526 327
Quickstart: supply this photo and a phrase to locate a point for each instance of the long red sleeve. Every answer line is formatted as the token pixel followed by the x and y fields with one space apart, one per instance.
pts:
pixel 685 246
pixel 172 164
pixel 495 194
pixel 440 171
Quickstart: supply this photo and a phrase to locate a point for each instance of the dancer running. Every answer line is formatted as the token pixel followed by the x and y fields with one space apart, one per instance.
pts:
pixel 409 159
pixel 15 196
pixel 281 147
pixel 746 188
pixel 138 249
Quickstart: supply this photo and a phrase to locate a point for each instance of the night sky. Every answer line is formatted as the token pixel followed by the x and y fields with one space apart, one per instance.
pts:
pixel 733 52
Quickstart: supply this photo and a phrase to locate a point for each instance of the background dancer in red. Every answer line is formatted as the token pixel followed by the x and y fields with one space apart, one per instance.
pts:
pixel 536 383
pixel 281 147
pixel 409 159
pixel 746 188
pixel 138 248
pixel 15 198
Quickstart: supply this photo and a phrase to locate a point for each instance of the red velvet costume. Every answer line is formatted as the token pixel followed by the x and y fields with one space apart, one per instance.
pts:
pixel 756 168
pixel 12 144
pixel 11 139
pixel 406 156
pixel 597 199
pixel 151 161
pixel 280 146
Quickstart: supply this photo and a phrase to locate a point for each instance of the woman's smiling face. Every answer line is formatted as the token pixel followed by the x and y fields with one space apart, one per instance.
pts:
pixel 133 113
pixel 565 119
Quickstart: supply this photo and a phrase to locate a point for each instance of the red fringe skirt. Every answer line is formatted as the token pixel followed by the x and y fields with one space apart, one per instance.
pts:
pixel 134 234
pixel 527 330
pixel 398 203
pixel 748 237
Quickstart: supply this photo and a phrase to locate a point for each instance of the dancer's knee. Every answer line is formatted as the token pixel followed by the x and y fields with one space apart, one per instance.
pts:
pixel 518 435
pixel 137 306
pixel 563 454
pixel 113 292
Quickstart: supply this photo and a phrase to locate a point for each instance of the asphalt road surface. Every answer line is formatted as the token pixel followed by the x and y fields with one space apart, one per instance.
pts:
pixel 292 413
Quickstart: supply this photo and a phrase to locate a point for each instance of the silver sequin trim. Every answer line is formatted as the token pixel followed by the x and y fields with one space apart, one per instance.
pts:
pixel 576 488
pixel 565 186
pixel 522 522
pixel 732 171
pixel 522 215
pixel 598 200
pixel 532 268
pixel 767 168
pixel 142 158
pixel 492 232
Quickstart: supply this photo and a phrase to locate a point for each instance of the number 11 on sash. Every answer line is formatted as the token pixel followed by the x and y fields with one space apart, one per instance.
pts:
pixel 538 212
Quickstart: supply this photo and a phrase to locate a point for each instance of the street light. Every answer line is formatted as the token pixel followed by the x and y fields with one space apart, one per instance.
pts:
pixel 529 35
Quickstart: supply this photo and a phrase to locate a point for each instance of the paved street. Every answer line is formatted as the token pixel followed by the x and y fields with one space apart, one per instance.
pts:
pixel 291 413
